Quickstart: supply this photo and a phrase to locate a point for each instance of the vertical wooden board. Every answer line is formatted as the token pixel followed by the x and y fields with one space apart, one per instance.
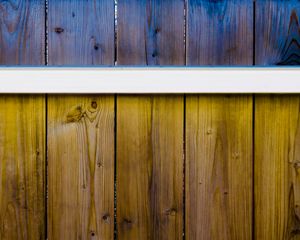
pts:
pixel 150 128
pixel 277 32
pixel 22 167
pixel 22 126
pixel 149 168
pixel 81 167
pixel 219 167
pixel 81 128
pixel 22 32
pixel 276 126
pixel 219 32
pixel 219 128
pixel 81 32
pixel 150 32
pixel 277 141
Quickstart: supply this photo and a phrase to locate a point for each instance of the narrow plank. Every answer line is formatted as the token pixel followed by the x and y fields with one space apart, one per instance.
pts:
pixel 22 167
pixel 277 126
pixel 219 128
pixel 81 128
pixel 22 126
pixel 277 167
pixel 150 128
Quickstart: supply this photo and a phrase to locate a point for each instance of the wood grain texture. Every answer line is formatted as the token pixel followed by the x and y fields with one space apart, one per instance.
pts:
pixel 218 128
pixel 219 167
pixel 277 32
pixel 81 167
pixel 277 183
pixel 81 32
pixel 277 126
pixel 219 32
pixel 22 167
pixel 22 32
pixel 150 168
pixel 150 128
pixel 81 128
pixel 22 126
pixel 150 32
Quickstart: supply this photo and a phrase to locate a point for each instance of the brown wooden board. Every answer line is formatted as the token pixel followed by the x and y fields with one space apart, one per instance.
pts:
pixel 22 126
pixel 81 128
pixel 150 128
pixel 219 128
pixel 277 183
pixel 277 125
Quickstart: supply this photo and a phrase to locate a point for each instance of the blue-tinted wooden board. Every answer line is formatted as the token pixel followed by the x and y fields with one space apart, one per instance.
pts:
pixel 219 128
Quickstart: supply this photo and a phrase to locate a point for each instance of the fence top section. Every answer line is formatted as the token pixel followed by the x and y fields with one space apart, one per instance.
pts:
pixel 145 80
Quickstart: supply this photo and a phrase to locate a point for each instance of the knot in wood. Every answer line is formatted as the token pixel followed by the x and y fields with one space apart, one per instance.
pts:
pixel 59 30
pixel 106 217
pixel 171 212
pixel 94 104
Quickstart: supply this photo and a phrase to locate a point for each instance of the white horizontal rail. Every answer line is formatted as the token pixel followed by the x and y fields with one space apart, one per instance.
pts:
pixel 149 80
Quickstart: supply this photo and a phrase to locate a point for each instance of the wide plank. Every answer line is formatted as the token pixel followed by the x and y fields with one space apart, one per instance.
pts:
pixel 150 128
pixel 219 128
pixel 277 125
pixel 81 128
pixel 81 167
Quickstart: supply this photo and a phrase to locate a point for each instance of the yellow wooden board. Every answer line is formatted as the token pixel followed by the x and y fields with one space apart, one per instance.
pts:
pixel 277 153
pixel 81 167
pixel 150 167
pixel 219 167
pixel 22 167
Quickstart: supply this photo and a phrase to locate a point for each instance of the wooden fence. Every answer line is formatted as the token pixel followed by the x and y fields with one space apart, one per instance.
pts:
pixel 149 166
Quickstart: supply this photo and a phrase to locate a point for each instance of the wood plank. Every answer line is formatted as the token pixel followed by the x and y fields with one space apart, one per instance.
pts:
pixel 277 126
pixel 278 32
pixel 81 128
pixel 277 167
pixel 219 32
pixel 22 32
pixel 22 126
pixel 22 167
pixel 81 32
pixel 219 167
pixel 150 168
pixel 150 128
pixel 219 128
pixel 81 167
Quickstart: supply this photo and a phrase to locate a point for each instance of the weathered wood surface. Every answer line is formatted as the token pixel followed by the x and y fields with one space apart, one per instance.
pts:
pixel 81 167
pixel 277 32
pixel 219 32
pixel 150 155
pixel 81 128
pixel 277 183
pixel 22 167
pixel 81 32
pixel 219 167
pixel 22 32
pixel 22 126
pixel 277 126
pixel 150 128
pixel 219 128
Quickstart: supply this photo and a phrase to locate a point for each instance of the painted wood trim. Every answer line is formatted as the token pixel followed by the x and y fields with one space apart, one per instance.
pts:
pixel 150 80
